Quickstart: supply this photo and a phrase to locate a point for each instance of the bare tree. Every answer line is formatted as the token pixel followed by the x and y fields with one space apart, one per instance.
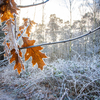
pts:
pixel 96 22
pixel 70 6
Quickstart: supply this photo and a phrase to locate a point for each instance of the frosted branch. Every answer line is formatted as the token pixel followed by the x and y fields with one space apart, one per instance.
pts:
pixel 64 40
pixel 15 24
pixel 3 62
pixel 85 86
pixel 55 42
pixel 23 32
pixel 1 53
pixel 24 6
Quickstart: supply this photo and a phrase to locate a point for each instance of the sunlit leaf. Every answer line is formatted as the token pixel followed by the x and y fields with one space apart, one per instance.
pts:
pixel 16 57
pixel 37 56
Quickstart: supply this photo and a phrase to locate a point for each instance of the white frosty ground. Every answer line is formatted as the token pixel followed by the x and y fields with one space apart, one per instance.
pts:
pixel 5 96
pixel 80 77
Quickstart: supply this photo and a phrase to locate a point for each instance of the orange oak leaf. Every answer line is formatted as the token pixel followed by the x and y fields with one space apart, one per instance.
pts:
pixel 7 15
pixel 8 44
pixel 32 22
pixel 19 34
pixel 7 9
pixel 21 27
pixel 37 56
pixel 28 31
pixel 5 33
pixel 18 63
pixel 6 49
pixel 25 21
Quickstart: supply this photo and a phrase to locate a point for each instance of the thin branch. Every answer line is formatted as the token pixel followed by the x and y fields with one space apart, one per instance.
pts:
pixel 17 39
pixel 64 40
pixel 1 53
pixel 23 32
pixel 1 39
pixel 85 86
pixel 3 26
pixel 5 23
pixel 59 41
pixel 3 62
pixel 24 6
pixel 15 24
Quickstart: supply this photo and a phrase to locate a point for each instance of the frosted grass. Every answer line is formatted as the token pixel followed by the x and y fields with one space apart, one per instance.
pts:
pixel 60 80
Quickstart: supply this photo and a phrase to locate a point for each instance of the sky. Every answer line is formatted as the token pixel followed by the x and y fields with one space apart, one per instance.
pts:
pixel 58 7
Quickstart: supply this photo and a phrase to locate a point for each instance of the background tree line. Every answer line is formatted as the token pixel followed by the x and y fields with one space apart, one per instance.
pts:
pixel 56 30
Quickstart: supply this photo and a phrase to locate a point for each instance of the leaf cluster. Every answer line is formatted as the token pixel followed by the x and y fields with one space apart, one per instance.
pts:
pixel 7 9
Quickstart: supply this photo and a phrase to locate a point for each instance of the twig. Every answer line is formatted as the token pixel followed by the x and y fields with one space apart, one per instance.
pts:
pixel 3 26
pixel 22 33
pixel 2 53
pixel 85 86
pixel 17 39
pixel 95 91
pixel 15 24
pixel 3 62
pixel 58 41
pixel 1 39
pixel 64 40
pixel 24 6
pixel 65 95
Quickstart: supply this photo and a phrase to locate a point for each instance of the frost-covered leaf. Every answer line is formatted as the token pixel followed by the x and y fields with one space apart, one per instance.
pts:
pixel 10 36
pixel 27 21
pixel 28 31
pixel 21 27
pixel 6 15
pixel 18 62
pixel 7 9
pixel 37 56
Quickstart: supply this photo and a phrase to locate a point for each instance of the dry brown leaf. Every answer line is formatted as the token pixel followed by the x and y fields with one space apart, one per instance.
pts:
pixel 5 33
pixel 25 21
pixel 37 56
pixel 7 9
pixel 6 15
pixel 19 34
pixel 8 44
pixel 21 27
pixel 18 63
pixel 28 31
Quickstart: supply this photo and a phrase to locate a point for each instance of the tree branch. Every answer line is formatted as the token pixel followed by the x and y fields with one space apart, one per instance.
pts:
pixel 15 24
pixel 22 33
pixel 64 40
pixel 1 53
pixel 24 6
pixel 59 41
